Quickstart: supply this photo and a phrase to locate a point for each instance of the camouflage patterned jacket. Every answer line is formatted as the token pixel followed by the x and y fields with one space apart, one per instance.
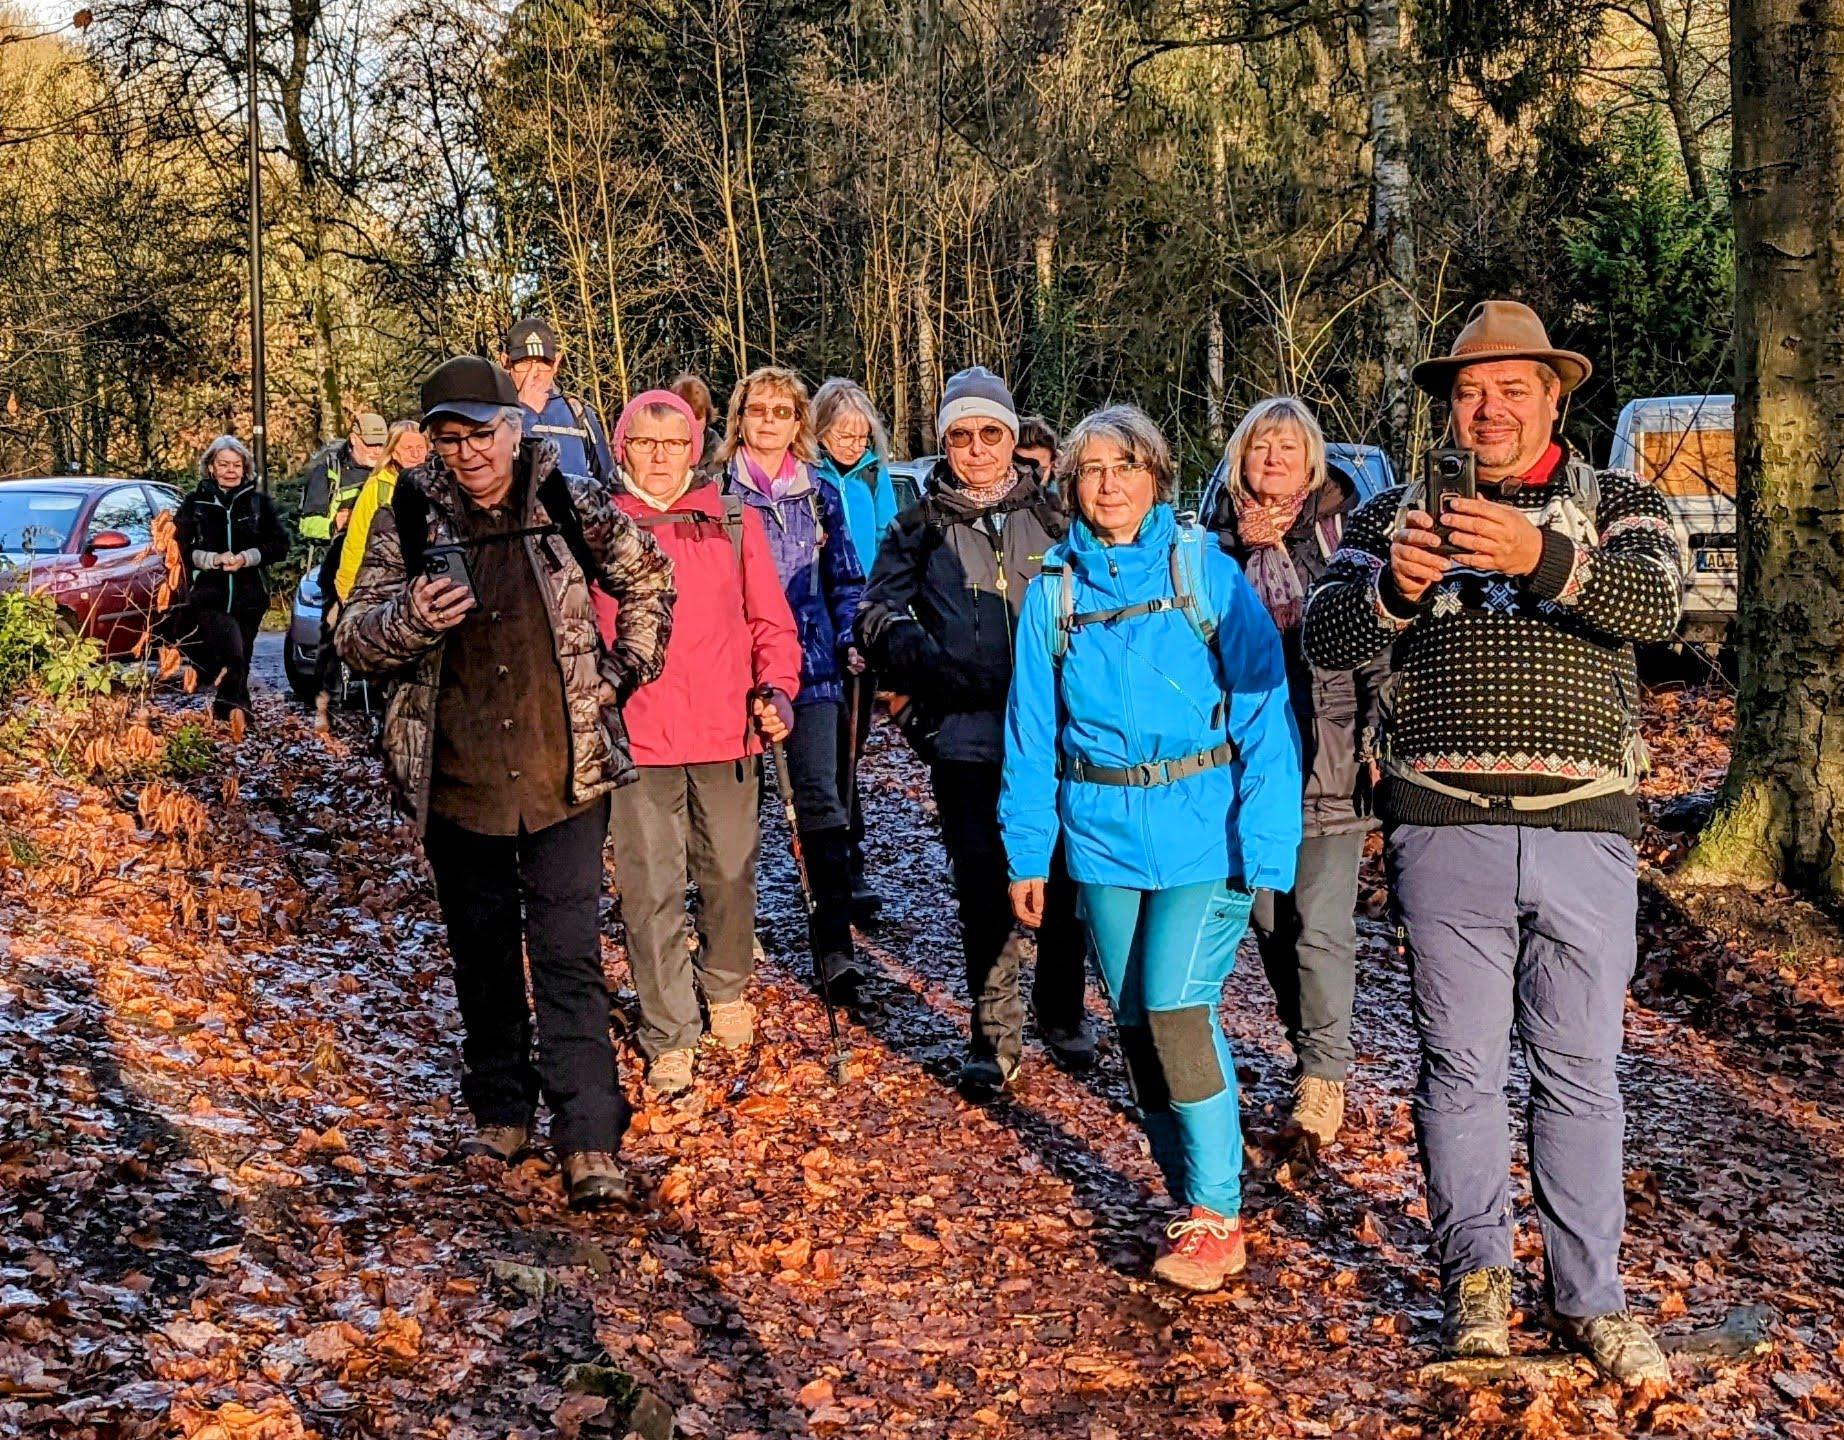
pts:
pixel 379 633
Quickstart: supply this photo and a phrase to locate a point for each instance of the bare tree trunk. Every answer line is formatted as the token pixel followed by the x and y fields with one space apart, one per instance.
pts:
pixel 1778 817
pixel 1391 210
pixel 928 381
pixel 1214 348
pixel 1677 99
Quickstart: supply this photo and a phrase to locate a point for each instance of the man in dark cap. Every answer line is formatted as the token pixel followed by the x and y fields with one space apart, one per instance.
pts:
pixel 503 738
pixel 533 358
pixel 332 479
pixel 1513 754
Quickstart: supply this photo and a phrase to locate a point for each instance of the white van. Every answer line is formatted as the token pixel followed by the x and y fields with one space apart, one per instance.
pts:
pixel 1685 445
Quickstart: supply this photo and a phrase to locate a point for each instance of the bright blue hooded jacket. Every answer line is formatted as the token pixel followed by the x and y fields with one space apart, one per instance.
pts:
pixel 870 501
pixel 1145 689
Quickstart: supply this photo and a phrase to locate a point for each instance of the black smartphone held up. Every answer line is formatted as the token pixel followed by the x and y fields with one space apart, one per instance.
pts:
pixel 1452 475
pixel 449 562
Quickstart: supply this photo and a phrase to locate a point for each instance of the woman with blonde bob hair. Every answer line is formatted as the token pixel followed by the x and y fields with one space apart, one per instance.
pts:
pixel 1148 728
pixel 1283 519
pixel 768 457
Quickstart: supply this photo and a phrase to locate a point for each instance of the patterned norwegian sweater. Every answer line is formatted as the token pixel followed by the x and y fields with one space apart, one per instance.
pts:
pixel 1512 686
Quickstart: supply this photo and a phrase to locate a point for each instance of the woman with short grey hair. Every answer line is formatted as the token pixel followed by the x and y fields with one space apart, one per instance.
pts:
pixel 1283 517
pixel 229 533
pixel 1148 729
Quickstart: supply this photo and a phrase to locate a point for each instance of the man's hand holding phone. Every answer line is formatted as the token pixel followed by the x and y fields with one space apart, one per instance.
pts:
pixel 1415 559
pixel 1490 536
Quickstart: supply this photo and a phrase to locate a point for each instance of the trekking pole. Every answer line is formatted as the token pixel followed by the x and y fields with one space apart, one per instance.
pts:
pixel 784 783
pixel 854 686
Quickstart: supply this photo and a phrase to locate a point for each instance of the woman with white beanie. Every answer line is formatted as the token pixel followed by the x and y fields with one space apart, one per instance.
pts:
pixel 938 618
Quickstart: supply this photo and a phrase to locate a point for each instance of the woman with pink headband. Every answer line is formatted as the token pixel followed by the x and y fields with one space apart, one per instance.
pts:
pixel 732 670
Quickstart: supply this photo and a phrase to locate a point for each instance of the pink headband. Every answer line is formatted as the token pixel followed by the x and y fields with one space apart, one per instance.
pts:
pixel 657 397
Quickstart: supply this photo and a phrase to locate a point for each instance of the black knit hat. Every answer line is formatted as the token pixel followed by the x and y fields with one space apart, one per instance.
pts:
pixel 469 386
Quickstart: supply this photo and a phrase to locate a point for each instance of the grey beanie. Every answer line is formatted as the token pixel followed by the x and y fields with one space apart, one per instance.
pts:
pixel 976 392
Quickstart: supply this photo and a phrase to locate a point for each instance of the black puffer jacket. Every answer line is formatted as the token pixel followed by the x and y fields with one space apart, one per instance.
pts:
pixel 1339 712
pixel 941 607
pixel 212 521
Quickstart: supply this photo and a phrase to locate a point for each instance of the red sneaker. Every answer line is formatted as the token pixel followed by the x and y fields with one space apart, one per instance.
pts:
pixel 1201 1251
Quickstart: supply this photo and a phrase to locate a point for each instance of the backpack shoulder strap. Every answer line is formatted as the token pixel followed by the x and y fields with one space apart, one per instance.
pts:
pixel 733 523
pixel 1190 590
pixel 554 495
pixel 1585 488
pixel 592 436
pixel 410 509
pixel 1064 619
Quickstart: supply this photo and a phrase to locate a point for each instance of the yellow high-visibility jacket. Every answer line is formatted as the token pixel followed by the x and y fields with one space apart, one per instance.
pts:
pixel 379 488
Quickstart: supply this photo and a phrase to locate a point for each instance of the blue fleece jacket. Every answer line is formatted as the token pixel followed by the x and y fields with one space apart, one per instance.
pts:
pixel 1146 689
pixel 869 499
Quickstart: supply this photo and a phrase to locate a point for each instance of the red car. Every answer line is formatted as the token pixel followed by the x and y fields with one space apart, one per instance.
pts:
pixel 88 544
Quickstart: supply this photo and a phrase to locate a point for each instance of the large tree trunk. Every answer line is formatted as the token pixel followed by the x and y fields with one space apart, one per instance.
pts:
pixel 1391 209
pixel 1778 816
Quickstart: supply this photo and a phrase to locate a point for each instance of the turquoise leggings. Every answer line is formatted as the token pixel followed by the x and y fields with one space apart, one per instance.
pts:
pixel 1164 955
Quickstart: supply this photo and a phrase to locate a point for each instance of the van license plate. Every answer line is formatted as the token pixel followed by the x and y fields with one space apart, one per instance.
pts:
pixel 1721 562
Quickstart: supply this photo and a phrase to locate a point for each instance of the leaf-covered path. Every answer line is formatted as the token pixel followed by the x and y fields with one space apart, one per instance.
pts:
pixel 228 1206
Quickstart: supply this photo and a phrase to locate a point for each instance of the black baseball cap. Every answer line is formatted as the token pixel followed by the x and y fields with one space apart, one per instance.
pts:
pixel 531 339
pixel 469 386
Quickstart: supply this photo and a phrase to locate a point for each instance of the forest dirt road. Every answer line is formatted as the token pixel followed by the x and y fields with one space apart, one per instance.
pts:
pixel 229 1206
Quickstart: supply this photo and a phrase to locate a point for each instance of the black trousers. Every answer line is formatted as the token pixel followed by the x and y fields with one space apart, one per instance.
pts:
pixel 825 823
pixel 967 798
pixel 506 899
pixel 854 729
pixel 225 644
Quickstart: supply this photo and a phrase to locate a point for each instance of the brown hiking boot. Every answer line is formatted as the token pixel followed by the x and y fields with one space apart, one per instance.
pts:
pixel 1318 1109
pixel 593 1179
pixel 733 1025
pixel 1201 1251
pixel 504 1143
pixel 1622 1348
pixel 1477 1325
pixel 670 1073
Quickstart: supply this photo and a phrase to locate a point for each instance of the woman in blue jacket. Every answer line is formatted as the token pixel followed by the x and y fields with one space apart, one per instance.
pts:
pixel 1149 726
pixel 854 453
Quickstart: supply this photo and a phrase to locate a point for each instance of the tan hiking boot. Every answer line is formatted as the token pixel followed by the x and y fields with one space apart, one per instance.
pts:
pixel 1201 1251
pixel 504 1143
pixel 322 704
pixel 1318 1109
pixel 733 1025
pixel 594 1178
pixel 1477 1323
pixel 1619 1345
pixel 670 1073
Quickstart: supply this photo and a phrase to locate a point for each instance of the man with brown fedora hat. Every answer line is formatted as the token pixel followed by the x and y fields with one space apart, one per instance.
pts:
pixel 1511 760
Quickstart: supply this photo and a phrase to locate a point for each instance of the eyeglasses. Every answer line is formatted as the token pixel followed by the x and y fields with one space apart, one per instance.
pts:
pixel 1094 474
pixel 848 437
pixel 478 441
pixel 647 445
pixel 782 411
pixel 989 436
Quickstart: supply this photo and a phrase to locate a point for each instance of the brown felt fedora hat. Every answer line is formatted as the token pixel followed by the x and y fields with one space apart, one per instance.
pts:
pixel 1500 330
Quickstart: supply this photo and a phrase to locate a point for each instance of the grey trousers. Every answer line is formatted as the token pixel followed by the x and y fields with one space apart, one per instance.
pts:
pixel 680 822
pixel 1513 926
pixel 1308 942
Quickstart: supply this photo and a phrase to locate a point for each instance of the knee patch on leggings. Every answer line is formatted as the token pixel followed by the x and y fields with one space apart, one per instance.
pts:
pixel 1145 1075
pixel 1187 1052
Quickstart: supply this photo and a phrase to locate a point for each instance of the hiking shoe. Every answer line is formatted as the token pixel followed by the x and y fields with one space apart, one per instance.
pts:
pixel 1072 1049
pixel 1318 1109
pixel 1477 1323
pixel 322 704
pixel 1619 1346
pixel 1201 1251
pixel 504 1143
pixel 670 1073
pixel 733 1024
pixel 594 1178
pixel 984 1078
